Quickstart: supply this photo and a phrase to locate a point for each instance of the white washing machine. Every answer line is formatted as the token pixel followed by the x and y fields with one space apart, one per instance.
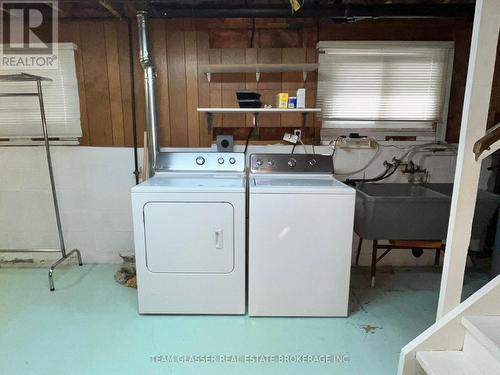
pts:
pixel 189 232
pixel 300 237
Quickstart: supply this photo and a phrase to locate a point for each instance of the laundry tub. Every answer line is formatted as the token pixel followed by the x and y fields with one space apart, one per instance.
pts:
pixel 400 212
pixel 486 205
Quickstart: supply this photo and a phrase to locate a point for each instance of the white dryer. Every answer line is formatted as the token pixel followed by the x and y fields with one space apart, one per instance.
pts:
pixel 300 237
pixel 189 232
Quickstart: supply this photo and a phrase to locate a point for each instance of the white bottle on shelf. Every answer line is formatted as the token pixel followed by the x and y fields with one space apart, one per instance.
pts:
pixel 301 98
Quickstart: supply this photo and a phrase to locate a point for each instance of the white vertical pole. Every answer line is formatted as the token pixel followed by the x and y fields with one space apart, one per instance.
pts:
pixel 474 119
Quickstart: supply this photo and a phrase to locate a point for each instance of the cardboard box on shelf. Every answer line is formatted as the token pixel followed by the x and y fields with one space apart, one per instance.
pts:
pixel 282 100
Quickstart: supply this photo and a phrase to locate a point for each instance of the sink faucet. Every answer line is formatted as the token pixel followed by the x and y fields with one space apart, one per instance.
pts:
pixel 416 174
pixel 412 168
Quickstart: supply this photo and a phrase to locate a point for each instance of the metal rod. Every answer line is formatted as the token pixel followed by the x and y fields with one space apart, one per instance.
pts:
pixel 30 250
pixel 7 94
pixel 32 77
pixel 22 77
pixel 62 250
pixel 134 102
pixel 54 193
pixel 49 164
pixel 51 269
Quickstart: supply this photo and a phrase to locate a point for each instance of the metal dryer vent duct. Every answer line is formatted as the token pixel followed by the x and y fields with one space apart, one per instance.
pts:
pixel 150 91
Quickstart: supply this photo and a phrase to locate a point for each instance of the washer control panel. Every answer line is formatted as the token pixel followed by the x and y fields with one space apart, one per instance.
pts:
pixel 203 162
pixel 291 163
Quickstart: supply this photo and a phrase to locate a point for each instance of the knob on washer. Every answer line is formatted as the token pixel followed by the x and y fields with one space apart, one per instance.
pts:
pixel 232 160
pixel 292 162
pixel 200 160
pixel 221 160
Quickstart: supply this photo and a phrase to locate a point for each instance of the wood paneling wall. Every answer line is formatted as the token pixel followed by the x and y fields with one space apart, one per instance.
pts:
pixel 104 80
pixel 182 47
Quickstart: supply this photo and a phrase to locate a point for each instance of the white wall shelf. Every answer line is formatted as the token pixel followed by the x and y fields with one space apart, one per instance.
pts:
pixel 255 112
pixel 258 110
pixel 259 68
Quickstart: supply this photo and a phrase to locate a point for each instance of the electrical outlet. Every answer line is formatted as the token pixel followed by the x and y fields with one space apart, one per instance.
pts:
pixel 292 138
pixel 298 133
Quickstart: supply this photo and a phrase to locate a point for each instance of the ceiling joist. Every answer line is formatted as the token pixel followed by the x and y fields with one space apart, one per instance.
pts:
pixel 336 10
pixel 110 8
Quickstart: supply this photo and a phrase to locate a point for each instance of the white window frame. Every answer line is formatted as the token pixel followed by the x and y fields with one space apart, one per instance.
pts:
pixel 382 130
pixel 31 134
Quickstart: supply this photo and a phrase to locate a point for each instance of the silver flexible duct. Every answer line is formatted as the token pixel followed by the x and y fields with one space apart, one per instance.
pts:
pixel 150 90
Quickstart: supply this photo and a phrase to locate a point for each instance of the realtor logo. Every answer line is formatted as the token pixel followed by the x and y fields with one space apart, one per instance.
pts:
pixel 28 34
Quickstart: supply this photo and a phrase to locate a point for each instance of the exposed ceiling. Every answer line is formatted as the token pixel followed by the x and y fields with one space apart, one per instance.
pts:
pixel 338 9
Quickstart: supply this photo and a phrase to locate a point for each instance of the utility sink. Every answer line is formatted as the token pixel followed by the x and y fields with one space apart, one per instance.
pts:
pixel 413 212
pixel 400 191
pixel 400 212
pixel 486 205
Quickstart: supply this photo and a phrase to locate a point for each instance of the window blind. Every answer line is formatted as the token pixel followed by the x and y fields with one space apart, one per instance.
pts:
pixel 20 116
pixel 394 84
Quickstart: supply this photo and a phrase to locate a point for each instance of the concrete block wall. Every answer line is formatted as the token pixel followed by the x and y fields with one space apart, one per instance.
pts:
pixel 93 185
pixel 93 189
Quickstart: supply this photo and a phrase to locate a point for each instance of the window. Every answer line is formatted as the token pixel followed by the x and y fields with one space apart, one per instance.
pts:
pixel 384 88
pixel 20 117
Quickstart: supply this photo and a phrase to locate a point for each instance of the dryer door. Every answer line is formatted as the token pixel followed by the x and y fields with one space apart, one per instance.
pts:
pixel 189 237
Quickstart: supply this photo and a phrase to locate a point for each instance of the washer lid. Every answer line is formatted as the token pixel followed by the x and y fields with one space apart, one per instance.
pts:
pixel 298 184
pixel 177 182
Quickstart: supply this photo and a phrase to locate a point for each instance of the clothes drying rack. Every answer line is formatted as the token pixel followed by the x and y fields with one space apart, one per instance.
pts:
pixel 24 77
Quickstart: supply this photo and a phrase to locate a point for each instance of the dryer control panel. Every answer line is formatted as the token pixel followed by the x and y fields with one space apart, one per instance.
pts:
pixel 291 163
pixel 200 162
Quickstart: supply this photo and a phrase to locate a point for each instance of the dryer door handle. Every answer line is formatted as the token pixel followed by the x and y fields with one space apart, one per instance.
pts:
pixel 219 239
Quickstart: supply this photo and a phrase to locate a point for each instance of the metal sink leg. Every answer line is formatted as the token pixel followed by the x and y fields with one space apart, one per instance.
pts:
pixel 359 250
pixel 374 262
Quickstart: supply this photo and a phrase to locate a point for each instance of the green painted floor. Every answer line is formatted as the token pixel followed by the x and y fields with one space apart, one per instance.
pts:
pixel 90 325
